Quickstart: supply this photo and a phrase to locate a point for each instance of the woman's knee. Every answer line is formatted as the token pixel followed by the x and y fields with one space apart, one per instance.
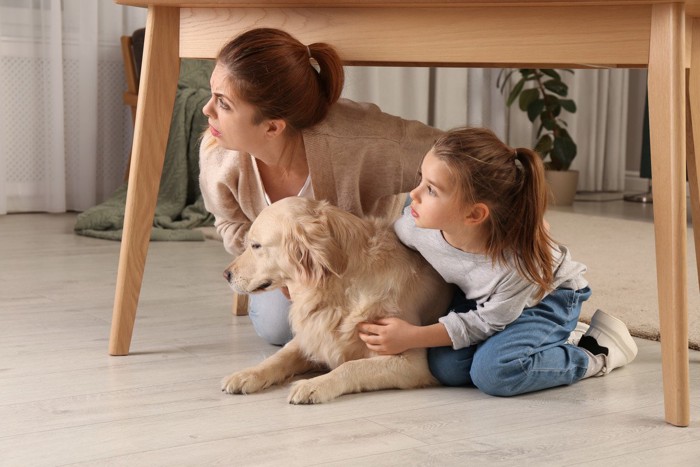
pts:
pixel 275 335
pixel 272 327
pixel 269 313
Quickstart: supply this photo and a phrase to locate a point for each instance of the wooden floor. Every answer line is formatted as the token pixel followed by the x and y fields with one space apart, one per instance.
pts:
pixel 63 400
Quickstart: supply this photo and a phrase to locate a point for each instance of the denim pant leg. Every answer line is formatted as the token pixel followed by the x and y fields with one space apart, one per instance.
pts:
pixel 531 353
pixel 269 313
pixel 451 367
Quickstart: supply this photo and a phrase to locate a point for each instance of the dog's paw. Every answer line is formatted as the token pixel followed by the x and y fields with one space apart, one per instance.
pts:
pixel 243 382
pixel 309 391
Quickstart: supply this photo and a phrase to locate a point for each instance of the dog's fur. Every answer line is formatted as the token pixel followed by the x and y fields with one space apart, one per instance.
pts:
pixel 340 270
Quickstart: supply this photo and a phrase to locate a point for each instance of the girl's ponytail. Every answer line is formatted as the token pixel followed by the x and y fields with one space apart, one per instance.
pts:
pixel 530 236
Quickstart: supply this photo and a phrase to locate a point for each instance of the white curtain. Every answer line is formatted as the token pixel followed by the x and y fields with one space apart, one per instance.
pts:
pixel 450 97
pixel 65 134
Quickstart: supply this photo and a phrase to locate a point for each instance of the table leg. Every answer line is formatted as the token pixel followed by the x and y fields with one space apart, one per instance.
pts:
pixel 159 75
pixel 667 131
pixel 240 304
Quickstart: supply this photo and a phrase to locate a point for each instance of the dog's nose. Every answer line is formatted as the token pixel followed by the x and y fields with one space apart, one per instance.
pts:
pixel 227 275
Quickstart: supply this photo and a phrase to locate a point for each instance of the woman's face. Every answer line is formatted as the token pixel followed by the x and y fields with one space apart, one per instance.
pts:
pixel 231 120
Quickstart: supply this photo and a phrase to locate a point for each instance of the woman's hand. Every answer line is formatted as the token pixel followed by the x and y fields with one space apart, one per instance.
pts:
pixel 388 336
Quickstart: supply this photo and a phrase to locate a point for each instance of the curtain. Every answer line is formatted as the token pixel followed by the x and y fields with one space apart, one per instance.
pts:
pixel 450 97
pixel 65 134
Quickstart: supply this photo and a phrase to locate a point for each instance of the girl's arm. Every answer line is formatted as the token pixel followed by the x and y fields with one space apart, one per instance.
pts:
pixel 391 336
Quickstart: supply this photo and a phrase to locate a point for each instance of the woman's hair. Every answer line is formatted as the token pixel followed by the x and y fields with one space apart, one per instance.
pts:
pixel 511 183
pixel 277 74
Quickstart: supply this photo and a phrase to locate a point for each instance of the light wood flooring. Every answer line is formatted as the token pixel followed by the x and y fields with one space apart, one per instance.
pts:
pixel 65 401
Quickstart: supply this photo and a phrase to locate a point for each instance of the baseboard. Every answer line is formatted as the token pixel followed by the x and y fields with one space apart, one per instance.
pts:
pixel 636 184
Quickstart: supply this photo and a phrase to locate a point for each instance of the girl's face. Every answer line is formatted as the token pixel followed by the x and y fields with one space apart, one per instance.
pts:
pixel 231 120
pixel 435 203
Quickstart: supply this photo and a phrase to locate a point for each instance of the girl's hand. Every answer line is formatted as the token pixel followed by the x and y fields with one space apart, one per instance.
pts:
pixel 387 336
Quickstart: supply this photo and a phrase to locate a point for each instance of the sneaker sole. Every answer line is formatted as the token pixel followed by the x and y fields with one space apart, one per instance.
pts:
pixel 616 331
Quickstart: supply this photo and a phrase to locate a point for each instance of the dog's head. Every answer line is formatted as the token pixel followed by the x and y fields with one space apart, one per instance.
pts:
pixel 293 240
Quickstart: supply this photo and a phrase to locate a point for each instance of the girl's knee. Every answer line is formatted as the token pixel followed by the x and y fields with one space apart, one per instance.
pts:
pixel 448 367
pixel 497 379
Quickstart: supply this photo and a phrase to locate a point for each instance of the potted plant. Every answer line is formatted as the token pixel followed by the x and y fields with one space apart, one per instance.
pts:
pixel 541 93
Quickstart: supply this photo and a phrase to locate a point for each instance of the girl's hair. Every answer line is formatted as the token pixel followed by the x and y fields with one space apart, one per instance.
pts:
pixel 511 183
pixel 277 74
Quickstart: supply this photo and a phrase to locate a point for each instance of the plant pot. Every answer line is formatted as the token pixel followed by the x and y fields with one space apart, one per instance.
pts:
pixel 562 186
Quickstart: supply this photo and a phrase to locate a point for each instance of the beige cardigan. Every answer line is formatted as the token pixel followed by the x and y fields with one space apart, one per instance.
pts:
pixel 360 159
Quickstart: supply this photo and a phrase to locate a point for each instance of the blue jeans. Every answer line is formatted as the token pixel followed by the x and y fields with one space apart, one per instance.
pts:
pixel 269 313
pixel 530 354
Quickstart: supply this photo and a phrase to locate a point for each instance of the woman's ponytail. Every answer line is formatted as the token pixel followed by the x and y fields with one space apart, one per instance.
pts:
pixel 331 74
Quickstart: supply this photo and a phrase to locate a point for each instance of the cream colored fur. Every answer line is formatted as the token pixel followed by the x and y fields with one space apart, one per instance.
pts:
pixel 340 270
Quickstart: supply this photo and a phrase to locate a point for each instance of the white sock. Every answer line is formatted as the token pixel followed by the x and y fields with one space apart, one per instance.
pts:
pixel 596 364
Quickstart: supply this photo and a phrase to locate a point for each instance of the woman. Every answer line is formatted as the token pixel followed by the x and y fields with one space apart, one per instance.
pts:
pixel 277 128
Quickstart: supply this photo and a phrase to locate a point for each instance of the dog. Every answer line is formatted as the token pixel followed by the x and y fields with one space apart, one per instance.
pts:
pixel 340 270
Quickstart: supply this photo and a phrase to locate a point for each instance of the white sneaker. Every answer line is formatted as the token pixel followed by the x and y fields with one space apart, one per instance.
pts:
pixel 576 334
pixel 609 336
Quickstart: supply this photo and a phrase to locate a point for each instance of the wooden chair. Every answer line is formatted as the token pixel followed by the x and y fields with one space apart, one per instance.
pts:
pixel 131 95
pixel 132 50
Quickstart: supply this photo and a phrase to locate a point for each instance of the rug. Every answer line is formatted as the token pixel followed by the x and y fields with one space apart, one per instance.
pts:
pixel 621 263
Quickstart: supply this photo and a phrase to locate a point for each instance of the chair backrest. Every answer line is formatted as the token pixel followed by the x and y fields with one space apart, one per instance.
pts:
pixel 132 54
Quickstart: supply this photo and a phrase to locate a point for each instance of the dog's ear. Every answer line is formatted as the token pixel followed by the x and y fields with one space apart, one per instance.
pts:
pixel 314 248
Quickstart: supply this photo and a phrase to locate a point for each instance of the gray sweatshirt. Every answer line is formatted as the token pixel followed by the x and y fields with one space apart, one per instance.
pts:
pixel 501 294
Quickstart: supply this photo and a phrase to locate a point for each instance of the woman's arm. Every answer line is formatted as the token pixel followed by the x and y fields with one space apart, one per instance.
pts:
pixel 218 182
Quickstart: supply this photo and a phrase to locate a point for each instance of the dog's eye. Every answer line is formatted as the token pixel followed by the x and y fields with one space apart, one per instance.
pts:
pixel 255 246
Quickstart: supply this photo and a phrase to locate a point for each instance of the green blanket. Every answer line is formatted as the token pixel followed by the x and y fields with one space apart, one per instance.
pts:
pixel 180 207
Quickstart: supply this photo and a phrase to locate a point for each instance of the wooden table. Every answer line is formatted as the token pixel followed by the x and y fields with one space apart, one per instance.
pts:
pixel 656 34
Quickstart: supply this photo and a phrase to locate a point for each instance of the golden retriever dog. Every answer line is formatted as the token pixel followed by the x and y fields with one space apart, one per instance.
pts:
pixel 340 270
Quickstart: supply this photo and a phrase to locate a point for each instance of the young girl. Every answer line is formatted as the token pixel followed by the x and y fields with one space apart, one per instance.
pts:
pixel 478 217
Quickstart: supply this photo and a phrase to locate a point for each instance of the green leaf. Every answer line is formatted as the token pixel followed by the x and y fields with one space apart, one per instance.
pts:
pixel 552 105
pixel 539 130
pixel 568 105
pixel 547 121
pixel 552 73
pixel 514 92
pixel 527 97
pixel 557 87
pixel 544 146
pixel 535 109
pixel 563 151
pixel 503 78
